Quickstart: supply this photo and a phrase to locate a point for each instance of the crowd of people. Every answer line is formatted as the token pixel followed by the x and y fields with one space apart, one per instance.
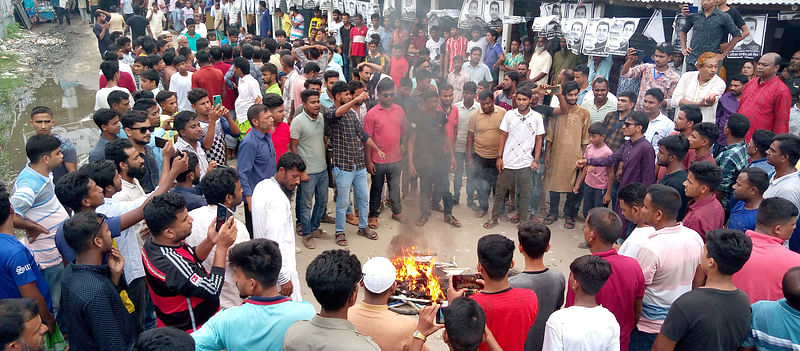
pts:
pixel 689 185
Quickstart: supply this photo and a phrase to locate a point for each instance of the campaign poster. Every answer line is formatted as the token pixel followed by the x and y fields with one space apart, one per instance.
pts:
pixel 409 10
pixel 389 7
pixel 752 45
pixel 493 13
pixel 550 9
pixel 310 4
pixel 351 7
pixel 325 5
pixel 364 9
pixel 595 37
pixel 573 29
pixel 622 29
pixel 471 14
pixel 584 10
pixel 676 30
pixel 541 23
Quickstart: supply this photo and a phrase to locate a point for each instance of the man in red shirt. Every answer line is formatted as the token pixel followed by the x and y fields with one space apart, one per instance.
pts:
pixel 399 65
pixel 705 212
pixel 358 41
pixel 623 291
pixel 456 45
pixel 207 77
pixel 761 277
pixel 223 60
pixel 766 100
pixel 386 123
pixel 510 312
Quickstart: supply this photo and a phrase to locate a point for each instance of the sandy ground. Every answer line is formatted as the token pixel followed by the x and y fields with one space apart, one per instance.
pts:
pixel 450 244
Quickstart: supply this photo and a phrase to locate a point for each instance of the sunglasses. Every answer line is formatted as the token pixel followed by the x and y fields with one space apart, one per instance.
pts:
pixel 102 218
pixel 145 129
pixel 628 124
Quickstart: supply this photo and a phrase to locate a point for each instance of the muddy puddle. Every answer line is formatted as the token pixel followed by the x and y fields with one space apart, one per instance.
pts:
pixel 72 106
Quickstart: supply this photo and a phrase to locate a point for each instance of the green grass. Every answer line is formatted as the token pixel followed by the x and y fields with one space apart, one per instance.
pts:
pixel 9 62
pixel 13 30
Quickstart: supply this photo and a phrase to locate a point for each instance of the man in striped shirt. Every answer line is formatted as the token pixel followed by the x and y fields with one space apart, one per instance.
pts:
pixel 37 208
pixel 455 46
pixel 185 295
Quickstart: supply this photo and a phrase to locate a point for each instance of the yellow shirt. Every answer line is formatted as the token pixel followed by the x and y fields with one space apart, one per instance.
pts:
pixel 373 321
pixel 286 23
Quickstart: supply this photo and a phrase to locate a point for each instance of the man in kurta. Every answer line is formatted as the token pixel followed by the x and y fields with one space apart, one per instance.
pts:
pixel 567 137
pixel 765 100
pixel 272 218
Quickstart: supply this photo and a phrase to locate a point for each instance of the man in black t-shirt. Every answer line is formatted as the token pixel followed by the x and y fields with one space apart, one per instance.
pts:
pixel 671 151
pixel 429 149
pixel 717 315
pixel 136 24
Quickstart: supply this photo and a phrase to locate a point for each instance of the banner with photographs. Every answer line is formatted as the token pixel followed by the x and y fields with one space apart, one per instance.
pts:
pixel 622 29
pixel 584 10
pixel 339 5
pixel 408 10
pixel 388 7
pixel 493 13
pixel 351 7
pixel 677 24
pixel 752 45
pixel 471 14
pixel 550 9
pixel 595 37
pixel 325 5
pixel 310 4
pixel 573 29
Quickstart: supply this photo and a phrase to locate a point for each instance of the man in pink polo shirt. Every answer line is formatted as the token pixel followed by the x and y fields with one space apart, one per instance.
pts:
pixel 386 124
pixel 761 277
pixel 623 291
pixel 669 260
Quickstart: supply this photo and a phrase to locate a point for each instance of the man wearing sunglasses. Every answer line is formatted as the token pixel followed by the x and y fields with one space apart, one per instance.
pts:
pixel 138 129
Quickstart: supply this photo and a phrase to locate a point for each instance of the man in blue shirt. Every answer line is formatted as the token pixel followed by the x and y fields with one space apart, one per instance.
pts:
pixel 256 156
pixel 19 273
pixel 494 54
pixel 775 324
pixel 187 182
pixel 265 22
pixel 261 322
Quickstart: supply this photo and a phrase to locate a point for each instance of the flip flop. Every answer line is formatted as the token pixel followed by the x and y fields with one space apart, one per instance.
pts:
pixel 452 221
pixel 490 223
pixel 569 223
pixel 421 221
pixel 367 233
pixel 340 239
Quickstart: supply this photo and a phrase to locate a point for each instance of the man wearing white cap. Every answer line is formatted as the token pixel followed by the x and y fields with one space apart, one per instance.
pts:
pixel 372 317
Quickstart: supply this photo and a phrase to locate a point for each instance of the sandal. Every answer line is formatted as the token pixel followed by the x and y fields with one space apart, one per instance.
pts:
pixel 437 208
pixel 514 219
pixel 340 239
pixel 372 222
pixel 328 219
pixel 367 233
pixel 479 214
pixel 421 221
pixel 452 221
pixel 549 219
pixel 490 223
pixel 351 219
pixel 569 223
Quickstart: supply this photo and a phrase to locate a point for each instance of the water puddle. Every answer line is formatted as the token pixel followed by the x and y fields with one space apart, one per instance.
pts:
pixel 72 106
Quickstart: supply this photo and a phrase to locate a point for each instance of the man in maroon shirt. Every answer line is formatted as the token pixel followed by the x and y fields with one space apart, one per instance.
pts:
pixel 623 291
pixel 510 312
pixel 765 100
pixel 207 77
pixel 386 123
pixel 700 142
pixel 705 212
pixel 223 60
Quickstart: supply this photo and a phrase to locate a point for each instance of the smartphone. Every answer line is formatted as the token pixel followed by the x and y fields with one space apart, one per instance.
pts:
pixel 553 90
pixel 467 281
pixel 693 9
pixel 223 213
pixel 161 142
pixel 441 313
pixel 217 100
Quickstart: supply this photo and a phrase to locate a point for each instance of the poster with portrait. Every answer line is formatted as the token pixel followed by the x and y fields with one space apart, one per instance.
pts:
pixel 389 7
pixel 310 4
pixel 325 5
pixel 595 37
pixel 677 24
pixel 583 10
pixel 408 10
pixel 752 45
pixel 351 7
pixel 573 29
pixel 493 13
pixel 550 9
pixel 365 10
pixel 471 14
pixel 622 29
pixel 541 23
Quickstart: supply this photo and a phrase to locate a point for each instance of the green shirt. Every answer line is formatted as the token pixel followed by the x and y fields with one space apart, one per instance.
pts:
pixel 309 133
pixel 562 60
pixel 275 89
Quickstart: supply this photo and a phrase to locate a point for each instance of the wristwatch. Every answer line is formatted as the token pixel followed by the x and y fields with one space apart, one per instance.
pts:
pixel 417 334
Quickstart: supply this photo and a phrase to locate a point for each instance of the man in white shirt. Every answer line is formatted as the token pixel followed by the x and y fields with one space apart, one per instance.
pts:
pixel 660 125
pixel 333 27
pixel 586 325
pixel 181 83
pixel 130 165
pixel 248 87
pixel 520 147
pixel 271 196
pixel 466 108
pixel 783 153
pixel 221 187
pixel 434 45
pixel 110 70
pixel 477 70
pixel 540 63
pixel 189 134
pixel 702 88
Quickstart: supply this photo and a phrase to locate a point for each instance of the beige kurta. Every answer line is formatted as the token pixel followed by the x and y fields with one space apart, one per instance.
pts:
pixel 568 133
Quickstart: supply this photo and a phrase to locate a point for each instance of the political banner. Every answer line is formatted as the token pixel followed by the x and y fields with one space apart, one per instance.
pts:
pixel 471 14
pixel 574 29
pixel 582 10
pixel 388 8
pixel 752 45
pixel 595 37
pixel 409 10
pixel 622 29
pixel 677 24
pixel 493 12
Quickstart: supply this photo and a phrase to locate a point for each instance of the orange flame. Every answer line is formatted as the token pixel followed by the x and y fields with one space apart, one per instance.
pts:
pixel 409 270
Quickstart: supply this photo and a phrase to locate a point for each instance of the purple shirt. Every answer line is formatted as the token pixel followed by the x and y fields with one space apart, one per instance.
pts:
pixel 728 104
pixel 704 216
pixel 638 159
pixel 619 293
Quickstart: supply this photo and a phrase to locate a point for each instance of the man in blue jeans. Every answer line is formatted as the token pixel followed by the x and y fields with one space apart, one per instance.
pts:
pixel 307 140
pixel 346 134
